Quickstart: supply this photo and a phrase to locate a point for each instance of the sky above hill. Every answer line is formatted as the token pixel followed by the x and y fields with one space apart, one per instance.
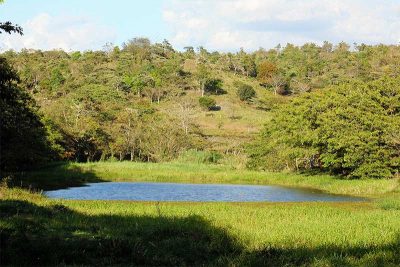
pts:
pixel 224 25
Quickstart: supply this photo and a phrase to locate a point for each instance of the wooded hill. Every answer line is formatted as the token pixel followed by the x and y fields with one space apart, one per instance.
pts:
pixel 149 102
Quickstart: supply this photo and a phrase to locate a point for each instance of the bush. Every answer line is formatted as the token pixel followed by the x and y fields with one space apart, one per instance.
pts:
pixel 245 92
pixel 214 87
pixel 206 102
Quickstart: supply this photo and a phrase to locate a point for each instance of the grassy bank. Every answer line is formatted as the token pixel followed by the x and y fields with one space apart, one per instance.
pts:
pixel 70 174
pixel 35 230
pixel 38 231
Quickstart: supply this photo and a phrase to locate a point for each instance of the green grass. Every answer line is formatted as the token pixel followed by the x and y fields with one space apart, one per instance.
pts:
pixel 39 231
pixel 62 175
pixel 35 230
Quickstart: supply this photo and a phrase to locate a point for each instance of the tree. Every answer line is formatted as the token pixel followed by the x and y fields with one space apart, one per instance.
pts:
pixel 167 46
pixel 265 71
pixel 279 85
pixel 23 136
pixel 347 130
pixel 213 86
pixel 202 76
pixel 23 142
pixel 162 140
pixel 8 27
pixel 135 84
pixel 184 112
pixel 129 129
pixel 189 52
pixel 56 79
pixel 140 47
pixel 246 64
pixel 245 92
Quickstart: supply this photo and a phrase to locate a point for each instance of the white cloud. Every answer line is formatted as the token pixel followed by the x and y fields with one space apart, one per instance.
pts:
pixel 66 32
pixel 230 24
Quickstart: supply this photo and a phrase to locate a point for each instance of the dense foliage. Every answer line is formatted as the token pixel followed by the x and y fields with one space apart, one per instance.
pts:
pixel 351 129
pixel 140 101
pixel 24 139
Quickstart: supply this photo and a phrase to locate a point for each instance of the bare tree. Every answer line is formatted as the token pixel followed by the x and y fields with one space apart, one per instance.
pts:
pixel 184 112
pixel 277 82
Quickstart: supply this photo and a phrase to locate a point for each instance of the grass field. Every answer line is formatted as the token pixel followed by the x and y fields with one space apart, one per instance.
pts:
pixel 39 231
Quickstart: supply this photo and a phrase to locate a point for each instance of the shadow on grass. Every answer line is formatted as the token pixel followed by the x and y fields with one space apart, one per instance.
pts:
pixel 56 235
pixel 55 176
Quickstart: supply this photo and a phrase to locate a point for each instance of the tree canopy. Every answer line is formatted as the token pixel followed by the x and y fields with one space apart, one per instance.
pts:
pixel 351 129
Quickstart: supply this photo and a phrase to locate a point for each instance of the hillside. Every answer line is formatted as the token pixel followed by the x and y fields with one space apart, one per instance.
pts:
pixel 85 93
pixel 149 102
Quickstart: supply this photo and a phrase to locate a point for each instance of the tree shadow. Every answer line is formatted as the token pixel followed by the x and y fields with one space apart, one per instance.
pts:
pixel 56 235
pixel 54 176
pixel 33 235
pixel 214 108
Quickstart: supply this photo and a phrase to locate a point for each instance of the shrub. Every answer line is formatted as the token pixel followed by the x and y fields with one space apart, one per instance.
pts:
pixel 214 86
pixel 245 92
pixel 206 102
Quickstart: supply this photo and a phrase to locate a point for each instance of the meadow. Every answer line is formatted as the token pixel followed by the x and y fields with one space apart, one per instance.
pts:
pixel 36 230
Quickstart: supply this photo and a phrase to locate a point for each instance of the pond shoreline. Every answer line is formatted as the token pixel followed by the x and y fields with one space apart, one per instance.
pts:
pixel 187 192
pixel 65 175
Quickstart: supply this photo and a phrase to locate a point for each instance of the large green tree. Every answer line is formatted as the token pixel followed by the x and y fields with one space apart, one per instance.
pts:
pixel 351 129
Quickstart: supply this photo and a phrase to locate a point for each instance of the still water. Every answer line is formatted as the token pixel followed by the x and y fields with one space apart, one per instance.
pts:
pixel 143 191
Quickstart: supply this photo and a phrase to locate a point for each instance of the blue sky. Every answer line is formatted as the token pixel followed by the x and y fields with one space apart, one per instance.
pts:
pixel 224 25
pixel 126 19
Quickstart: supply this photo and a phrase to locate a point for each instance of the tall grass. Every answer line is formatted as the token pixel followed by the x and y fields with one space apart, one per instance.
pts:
pixel 77 173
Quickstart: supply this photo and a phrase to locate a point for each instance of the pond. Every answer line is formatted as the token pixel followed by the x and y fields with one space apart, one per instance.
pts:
pixel 144 191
